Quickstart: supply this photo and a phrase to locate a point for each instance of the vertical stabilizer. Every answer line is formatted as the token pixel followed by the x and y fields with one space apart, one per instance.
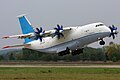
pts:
pixel 25 26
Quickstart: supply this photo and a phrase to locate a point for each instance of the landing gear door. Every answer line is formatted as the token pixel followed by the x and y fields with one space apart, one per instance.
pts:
pixel 61 49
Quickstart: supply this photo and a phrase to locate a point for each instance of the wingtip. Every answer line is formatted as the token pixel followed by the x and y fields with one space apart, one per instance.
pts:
pixel 6 47
pixel 5 37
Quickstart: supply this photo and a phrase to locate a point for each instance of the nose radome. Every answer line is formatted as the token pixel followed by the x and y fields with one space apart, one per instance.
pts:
pixel 108 29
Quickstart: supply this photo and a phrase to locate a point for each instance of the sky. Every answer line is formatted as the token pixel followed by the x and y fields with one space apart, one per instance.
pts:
pixel 49 13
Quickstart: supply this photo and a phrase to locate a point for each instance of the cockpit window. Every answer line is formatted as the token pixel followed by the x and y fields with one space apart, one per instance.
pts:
pixel 99 25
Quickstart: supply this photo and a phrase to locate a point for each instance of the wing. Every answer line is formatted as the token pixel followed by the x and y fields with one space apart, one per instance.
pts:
pixel 49 33
pixel 24 45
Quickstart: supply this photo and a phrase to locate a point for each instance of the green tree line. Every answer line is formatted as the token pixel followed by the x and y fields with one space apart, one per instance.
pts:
pixel 107 53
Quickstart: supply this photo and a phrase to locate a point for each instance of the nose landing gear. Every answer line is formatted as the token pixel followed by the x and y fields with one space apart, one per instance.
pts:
pixel 101 42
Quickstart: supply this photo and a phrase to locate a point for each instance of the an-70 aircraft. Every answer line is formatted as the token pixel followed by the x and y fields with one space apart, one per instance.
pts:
pixel 62 40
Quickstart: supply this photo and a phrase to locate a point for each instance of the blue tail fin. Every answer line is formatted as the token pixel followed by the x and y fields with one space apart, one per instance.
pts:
pixel 25 26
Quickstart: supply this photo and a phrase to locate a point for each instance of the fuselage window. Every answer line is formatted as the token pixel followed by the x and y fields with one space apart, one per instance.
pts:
pixel 99 25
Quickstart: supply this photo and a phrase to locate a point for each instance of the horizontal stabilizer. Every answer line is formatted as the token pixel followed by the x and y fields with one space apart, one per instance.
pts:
pixel 21 36
pixel 25 45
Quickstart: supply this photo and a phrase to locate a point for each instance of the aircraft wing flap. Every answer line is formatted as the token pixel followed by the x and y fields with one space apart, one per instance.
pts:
pixel 67 29
pixel 61 49
pixel 49 33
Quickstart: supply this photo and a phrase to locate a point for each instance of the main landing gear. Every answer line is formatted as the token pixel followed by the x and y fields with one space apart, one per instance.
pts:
pixel 77 52
pixel 101 42
pixel 68 51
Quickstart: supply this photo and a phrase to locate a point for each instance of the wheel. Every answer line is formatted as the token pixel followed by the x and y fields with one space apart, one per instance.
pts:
pixel 102 42
pixel 80 50
pixel 60 54
pixel 67 50
pixel 73 54
pixel 77 52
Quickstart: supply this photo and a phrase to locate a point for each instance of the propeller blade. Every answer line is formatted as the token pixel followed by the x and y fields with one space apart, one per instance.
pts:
pixel 61 34
pixel 40 39
pixel 113 36
pixel 39 34
pixel 114 28
pixel 37 30
pixel 58 31
pixel 61 27
pixel 58 36
pixel 40 29
pixel 113 31
pixel 58 26
pixel 44 31
pixel 110 35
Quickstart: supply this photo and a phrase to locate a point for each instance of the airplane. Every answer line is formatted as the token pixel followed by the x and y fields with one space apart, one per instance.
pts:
pixel 68 40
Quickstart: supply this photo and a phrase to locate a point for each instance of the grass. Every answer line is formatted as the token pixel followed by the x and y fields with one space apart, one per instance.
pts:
pixel 59 73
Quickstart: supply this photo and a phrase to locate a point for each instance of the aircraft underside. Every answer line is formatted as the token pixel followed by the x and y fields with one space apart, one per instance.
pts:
pixel 75 46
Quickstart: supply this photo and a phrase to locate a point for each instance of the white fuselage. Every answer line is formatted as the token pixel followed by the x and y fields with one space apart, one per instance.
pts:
pixel 76 38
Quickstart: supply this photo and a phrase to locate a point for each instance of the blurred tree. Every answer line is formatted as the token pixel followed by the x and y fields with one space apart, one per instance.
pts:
pixel 113 50
pixel 11 56
pixel 1 57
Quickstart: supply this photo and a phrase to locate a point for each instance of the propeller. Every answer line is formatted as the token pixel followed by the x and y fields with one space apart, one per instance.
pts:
pixel 58 31
pixel 39 33
pixel 113 31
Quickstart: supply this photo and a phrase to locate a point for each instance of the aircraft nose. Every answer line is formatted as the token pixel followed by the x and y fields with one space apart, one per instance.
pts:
pixel 107 29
